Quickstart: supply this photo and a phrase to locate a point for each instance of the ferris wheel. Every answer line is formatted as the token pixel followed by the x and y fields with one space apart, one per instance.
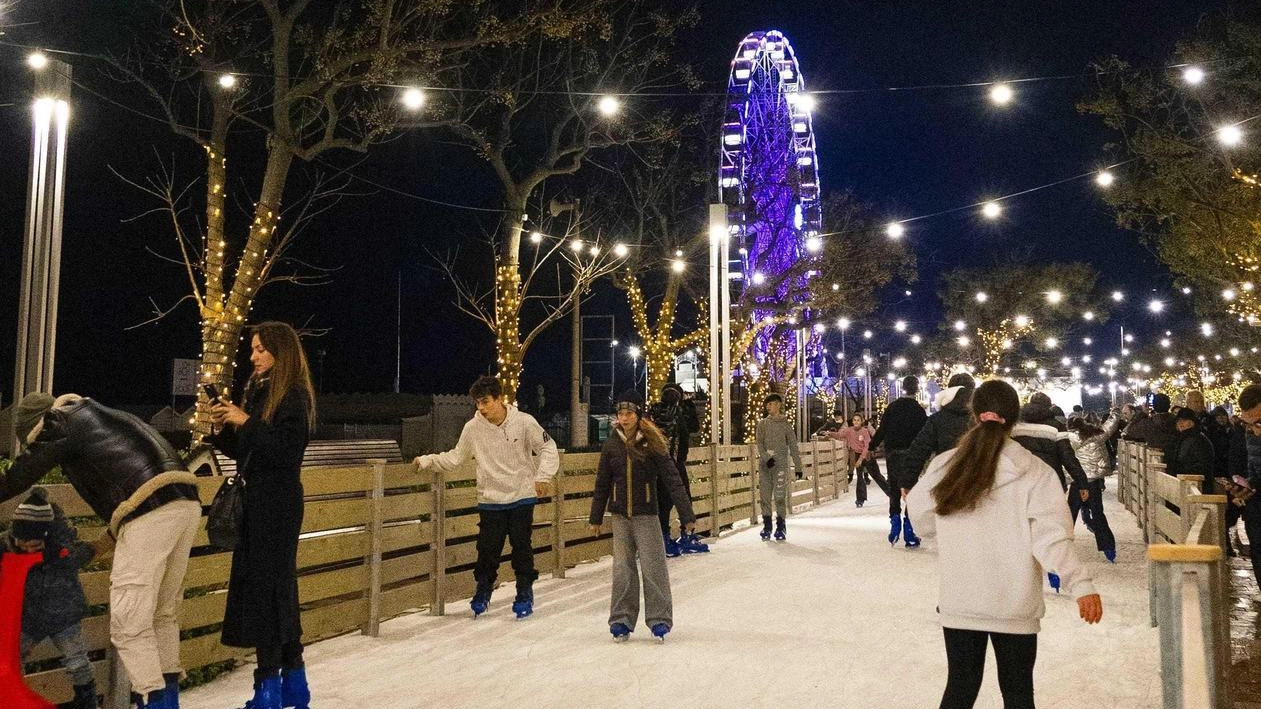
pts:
pixel 769 171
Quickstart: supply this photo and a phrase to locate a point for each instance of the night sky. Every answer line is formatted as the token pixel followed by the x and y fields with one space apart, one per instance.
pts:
pixel 907 153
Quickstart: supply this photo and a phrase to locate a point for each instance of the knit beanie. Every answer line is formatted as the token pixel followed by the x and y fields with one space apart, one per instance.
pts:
pixel 1160 403
pixel 631 400
pixel 28 413
pixel 33 519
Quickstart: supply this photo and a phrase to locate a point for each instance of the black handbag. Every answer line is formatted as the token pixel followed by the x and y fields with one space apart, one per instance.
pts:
pixel 227 514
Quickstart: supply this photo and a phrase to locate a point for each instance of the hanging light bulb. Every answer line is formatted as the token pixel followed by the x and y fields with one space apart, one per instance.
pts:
pixel 227 81
pixel 608 106
pixel 37 60
pixel 1193 75
pixel 982 296
pixel 991 210
pixel 895 230
pixel 621 250
pixel 536 237
pixel 1054 297
pixel 413 99
pixel 1001 94
pixel 1230 135
pixel 1105 179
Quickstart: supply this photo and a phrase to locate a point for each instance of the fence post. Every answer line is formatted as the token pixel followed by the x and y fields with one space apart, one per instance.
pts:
pixel 814 468
pixel 558 524
pixel 715 519
pixel 754 470
pixel 376 521
pixel 1188 485
pixel 119 695
pixel 438 521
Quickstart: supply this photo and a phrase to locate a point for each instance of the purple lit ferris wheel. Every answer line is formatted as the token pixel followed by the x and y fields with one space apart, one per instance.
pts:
pixel 769 173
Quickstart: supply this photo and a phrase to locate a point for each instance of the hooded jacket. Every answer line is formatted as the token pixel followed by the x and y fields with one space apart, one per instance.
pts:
pixel 775 442
pixel 1053 448
pixel 1092 452
pixel 621 477
pixel 900 424
pixel 54 598
pixel 1191 454
pixel 506 458
pixel 1157 431
pixel 121 466
pixel 941 431
pixel 1043 413
pixel 992 558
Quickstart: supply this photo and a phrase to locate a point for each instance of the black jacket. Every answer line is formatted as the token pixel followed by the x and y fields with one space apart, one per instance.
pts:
pixel 613 488
pixel 1051 448
pixel 678 423
pixel 900 424
pixel 54 600
pixel 1219 436
pixel 941 431
pixel 1157 431
pixel 1191 454
pixel 262 605
pixel 1034 412
pixel 121 466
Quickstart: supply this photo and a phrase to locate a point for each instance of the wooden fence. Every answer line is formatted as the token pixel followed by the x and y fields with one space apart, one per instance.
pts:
pixel 382 540
pixel 1187 576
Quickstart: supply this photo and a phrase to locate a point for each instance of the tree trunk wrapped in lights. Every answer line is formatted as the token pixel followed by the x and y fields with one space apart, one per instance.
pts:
pixel 658 343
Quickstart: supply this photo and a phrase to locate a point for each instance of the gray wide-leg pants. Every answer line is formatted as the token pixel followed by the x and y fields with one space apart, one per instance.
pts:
pixel 773 484
pixel 638 549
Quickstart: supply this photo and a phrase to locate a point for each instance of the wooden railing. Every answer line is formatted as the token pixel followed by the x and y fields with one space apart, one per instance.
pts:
pixel 1185 532
pixel 382 540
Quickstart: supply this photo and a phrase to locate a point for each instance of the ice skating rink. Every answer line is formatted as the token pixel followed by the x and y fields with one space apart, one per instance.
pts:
pixel 833 617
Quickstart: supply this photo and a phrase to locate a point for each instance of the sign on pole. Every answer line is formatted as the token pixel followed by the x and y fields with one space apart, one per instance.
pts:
pixel 184 377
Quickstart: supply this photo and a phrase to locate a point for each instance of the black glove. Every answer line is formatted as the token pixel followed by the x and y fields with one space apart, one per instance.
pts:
pixel 798 474
pixel 770 462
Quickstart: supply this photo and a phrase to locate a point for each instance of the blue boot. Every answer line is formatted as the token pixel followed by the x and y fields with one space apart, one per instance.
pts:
pixel 672 547
pixel 908 534
pixel 620 632
pixel 1054 580
pixel 158 699
pixel 523 605
pixel 1110 555
pixel 659 631
pixel 692 544
pixel 481 598
pixel 173 688
pixel 895 529
pixel 294 691
pixel 266 695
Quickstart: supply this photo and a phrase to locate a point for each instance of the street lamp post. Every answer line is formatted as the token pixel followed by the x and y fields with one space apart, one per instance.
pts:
pixel 634 353
pixel 613 373
pixel 41 254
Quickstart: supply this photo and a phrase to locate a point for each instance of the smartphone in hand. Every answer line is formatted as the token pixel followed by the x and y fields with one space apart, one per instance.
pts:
pixel 212 392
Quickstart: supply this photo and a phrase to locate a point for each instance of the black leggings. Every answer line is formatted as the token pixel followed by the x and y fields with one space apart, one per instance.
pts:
pixel 965 653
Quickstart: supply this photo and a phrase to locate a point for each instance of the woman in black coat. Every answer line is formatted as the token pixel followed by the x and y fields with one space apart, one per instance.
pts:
pixel 268 437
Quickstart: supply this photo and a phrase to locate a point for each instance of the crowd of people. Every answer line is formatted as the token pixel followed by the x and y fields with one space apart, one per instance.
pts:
pixel 1001 485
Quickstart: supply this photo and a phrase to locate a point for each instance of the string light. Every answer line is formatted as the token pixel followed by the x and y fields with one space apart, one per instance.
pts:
pixel 895 230
pixel 227 81
pixel 1105 179
pixel 1054 297
pixel 608 106
pixel 1193 75
pixel 1001 94
pixel 37 60
pixel 814 243
pixel 620 250
pixel 413 99
pixel 1230 135
pixel 1088 315
pixel 960 326
pixel 982 297
pixel 991 210
pixel 576 245
pixel 1156 306
pixel 1118 296
pixel 536 237
pixel 678 266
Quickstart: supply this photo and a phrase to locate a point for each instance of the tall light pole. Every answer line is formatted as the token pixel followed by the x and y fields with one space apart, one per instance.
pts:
pixel 613 372
pixel 634 354
pixel 41 253
pixel 719 325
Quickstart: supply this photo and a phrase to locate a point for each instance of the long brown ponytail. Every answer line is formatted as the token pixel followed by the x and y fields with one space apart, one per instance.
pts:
pixel 970 474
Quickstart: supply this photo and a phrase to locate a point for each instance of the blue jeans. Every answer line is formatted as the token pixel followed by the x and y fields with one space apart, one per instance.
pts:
pixel 74 653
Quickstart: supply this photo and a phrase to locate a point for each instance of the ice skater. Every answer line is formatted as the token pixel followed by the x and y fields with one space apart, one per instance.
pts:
pixel 634 463
pixel 53 604
pixel 1090 444
pixel 515 461
pixel 1000 518
pixel 676 416
pixel 857 438
pixel 775 442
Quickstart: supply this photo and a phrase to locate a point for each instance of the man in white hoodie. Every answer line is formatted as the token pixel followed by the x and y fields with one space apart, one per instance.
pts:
pixel 515 461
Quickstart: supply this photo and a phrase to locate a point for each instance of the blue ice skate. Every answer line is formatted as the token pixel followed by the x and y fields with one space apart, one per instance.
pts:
pixel 673 548
pixel 620 632
pixel 908 534
pixel 481 599
pixel 1054 580
pixel 692 544
pixel 523 606
pixel 659 631
pixel 895 529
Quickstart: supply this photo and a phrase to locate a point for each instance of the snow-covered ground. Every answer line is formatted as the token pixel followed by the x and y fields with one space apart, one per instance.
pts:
pixel 833 617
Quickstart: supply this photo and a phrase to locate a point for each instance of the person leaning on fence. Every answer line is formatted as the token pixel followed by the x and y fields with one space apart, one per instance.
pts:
pixel 676 416
pixel 268 435
pixel 133 479
pixel 634 464
pixel 1250 413
pixel 53 604
pixel 515 461
pixel 776 441
pixel 857 438
pixel 1000 518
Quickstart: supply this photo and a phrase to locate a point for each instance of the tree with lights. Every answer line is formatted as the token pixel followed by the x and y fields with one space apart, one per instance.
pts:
pixel 298 82
pixel 539 110
pixel 1190 189
pixel 1012 310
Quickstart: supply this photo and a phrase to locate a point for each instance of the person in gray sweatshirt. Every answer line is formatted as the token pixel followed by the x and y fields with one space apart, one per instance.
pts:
pixel 775 442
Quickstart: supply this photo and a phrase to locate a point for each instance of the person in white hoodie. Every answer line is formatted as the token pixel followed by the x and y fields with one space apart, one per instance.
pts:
pixel 516 460
pixel 1000 518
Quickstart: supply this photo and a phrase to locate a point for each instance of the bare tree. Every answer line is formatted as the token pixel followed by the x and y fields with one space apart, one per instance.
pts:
pixel 539 110
pixel 294 81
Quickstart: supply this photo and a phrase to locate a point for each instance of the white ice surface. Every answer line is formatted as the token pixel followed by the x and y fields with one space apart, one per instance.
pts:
pixel 833 617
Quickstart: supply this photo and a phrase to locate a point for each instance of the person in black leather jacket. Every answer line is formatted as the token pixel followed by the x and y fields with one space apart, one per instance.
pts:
pixel 135 481
pixel 1192 452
